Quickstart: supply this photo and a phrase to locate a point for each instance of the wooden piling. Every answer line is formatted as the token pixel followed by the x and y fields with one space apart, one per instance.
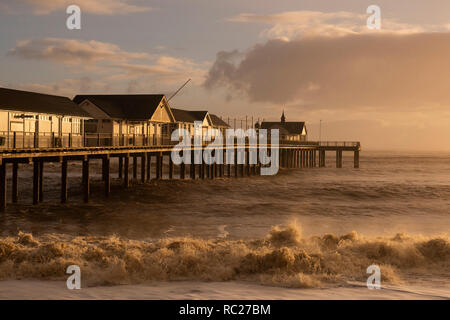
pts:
pixel 41 181
pixel 135 165
pixel 170 168
pixel 202 169
pixel 143 164
pixel 86 182
pixel 192 165
pixel 36 176
pixel 3 187
pixel 120 160
pixel 158 166
pixel 107 179
pixel 149 165
pixel 182 170
pixel 15 185
pixel 338 158
pixel 236 174
pixel 64 181
pixel 161 165
pixel 356 159
pixel 126 171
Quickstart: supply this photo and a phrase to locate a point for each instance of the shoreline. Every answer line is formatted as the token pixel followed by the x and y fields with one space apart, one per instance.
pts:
pixel 193 290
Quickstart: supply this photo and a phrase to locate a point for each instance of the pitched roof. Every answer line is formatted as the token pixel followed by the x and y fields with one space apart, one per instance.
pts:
pixel 188 116
pixel 290 127
pixel 182 115
pixel 217 122
pixel 17 100
pixel 130 107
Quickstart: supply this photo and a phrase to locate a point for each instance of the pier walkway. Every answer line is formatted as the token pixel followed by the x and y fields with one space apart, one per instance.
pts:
pixel 292 154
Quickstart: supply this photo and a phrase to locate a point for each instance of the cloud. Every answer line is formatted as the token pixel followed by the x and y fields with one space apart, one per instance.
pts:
pixel 354 71
pixel 111 62
pixel 72 52
pixel 97 7
pixel 164 69
pixel 295 24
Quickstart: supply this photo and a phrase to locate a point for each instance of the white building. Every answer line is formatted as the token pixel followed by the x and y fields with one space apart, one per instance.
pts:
pixel 121 120
pixel 32 120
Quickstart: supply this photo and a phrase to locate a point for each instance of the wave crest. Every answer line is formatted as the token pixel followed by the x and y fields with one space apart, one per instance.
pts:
pixel 283 258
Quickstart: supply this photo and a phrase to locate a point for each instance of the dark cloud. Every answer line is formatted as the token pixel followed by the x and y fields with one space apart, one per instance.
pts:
pixel 372 70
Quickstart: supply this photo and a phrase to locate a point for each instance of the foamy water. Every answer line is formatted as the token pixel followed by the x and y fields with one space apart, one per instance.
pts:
pixel 398 206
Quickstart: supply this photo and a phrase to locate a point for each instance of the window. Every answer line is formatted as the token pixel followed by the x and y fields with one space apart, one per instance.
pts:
pixel 44 118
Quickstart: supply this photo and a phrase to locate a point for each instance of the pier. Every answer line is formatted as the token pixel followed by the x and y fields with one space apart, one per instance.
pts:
pixel 138 160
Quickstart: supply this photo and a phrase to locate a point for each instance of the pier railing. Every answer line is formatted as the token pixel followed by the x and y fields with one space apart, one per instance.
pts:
pixel 339 143
pixel 29 140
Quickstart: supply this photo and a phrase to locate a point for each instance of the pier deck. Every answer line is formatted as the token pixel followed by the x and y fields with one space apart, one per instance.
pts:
pixel 292 155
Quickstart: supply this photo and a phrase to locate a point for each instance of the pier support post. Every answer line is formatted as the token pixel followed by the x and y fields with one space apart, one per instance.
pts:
pixel 291 158
pixel 3 187
pixel 149 165
pixel 294 158
pixel 86 182
pixel 306 158
pixel 286 158
pixel 338 158
pixel 15 185
pixel 182 170
pixel 41 181
pixel 107 179
pixel 300 159
pixel 322 158
pixel 143 164
pixel 158 166
pixel 311 164
pixel 309 159
pixel 126 171
pixel 36 176
pixel 303 155
pixel 120 159
pixel 170 167
pixel 64 181
pixel 202 169
pixel 135 167
pixel 356 159
pixel 192 165
pixel 315 158
pixel 161 166
pixel 235 163
pixel 247 162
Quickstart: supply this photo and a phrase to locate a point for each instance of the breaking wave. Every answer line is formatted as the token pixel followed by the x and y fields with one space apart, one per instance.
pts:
pixel 283 258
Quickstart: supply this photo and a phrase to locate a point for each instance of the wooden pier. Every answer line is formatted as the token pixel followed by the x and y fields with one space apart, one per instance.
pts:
pixel 292 155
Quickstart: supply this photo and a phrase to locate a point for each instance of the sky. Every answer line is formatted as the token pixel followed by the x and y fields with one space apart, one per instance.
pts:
pixel 314 59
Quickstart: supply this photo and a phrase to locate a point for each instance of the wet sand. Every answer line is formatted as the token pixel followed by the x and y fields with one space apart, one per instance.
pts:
pixel 17 289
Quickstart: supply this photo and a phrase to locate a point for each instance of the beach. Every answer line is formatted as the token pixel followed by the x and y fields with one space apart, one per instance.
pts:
pixel 303 234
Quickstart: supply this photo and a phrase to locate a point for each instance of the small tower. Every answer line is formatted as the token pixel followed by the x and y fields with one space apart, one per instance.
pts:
pixel 283 118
